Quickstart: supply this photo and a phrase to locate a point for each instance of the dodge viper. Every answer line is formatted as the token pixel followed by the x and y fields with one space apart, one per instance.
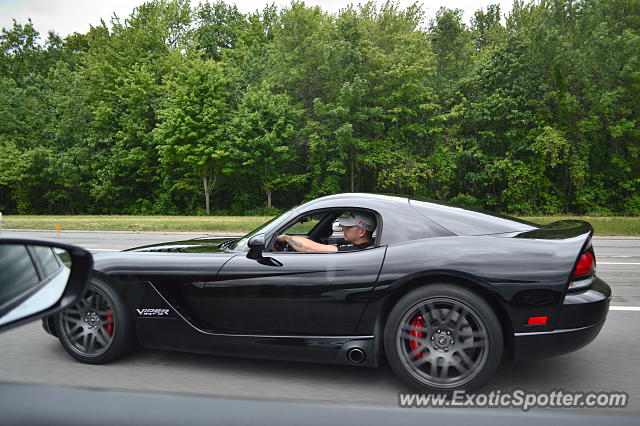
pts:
pixel 442 295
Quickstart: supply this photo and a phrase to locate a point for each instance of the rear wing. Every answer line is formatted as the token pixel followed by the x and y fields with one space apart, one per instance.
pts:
pixel 560 230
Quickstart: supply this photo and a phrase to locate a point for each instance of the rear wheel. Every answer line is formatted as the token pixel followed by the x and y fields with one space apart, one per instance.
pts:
pixel 98 328
pixel 443 337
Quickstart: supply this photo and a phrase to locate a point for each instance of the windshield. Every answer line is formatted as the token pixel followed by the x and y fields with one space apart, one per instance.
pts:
pixel 265 228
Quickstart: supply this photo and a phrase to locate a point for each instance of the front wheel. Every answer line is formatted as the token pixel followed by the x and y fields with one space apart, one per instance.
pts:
pixel 443 337
pixel 98 328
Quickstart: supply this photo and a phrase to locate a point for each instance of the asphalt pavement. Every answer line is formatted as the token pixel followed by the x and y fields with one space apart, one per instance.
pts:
pixel 611 362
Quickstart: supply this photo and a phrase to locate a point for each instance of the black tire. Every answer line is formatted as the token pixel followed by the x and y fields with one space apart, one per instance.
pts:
pixel 443 337
pixel 97 329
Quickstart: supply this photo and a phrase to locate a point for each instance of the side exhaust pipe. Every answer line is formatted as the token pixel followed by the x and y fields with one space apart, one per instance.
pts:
pixel 358 352
pixel 356 356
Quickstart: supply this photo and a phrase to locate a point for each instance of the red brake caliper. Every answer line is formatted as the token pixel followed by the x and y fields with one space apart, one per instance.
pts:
pixel 109 319
pixel 418 322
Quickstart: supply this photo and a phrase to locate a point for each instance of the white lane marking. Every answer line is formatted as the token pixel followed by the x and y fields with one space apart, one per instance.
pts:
pixel 624 308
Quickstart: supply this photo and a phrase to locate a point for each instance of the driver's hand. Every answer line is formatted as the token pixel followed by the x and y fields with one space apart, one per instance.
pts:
pixel 282 238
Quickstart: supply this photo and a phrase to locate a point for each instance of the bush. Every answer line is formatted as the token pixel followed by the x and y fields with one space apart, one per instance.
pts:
pixel 467 201
pixel 263 211
pixel 632 205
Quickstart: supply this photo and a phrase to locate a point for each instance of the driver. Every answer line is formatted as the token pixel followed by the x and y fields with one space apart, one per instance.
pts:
pixel 357 227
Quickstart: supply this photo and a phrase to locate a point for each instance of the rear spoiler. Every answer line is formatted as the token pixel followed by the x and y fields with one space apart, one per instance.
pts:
pixel 560 230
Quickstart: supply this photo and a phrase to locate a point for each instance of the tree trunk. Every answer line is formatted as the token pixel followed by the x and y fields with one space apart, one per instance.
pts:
pixel 353 185
pixel 205 181
pixel 268 191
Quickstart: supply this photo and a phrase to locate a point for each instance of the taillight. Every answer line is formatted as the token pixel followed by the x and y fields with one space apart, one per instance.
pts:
pixel 586 265
pixel 583 275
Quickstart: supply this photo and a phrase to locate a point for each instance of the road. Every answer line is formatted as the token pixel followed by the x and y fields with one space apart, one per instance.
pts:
pixel 611 362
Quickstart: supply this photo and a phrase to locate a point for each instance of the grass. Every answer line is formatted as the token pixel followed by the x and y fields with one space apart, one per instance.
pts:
pixel 231 224
pixel 242 224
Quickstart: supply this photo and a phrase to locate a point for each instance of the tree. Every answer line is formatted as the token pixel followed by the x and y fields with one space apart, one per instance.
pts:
pixel 451 43
pixel 191 128
pixel 124 72
pixel 219 25
pixel 262 141
pixel 486 27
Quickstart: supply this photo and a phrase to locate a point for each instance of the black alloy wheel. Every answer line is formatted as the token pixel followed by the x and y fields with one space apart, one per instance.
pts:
pixel 443 337
pixel 98 328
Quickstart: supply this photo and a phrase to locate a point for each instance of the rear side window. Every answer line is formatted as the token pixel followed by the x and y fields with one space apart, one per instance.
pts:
pixel 48 260
pixel 468 222
pixel 17 272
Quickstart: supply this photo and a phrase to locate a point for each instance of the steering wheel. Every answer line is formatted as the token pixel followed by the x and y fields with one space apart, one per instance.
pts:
pixel 278 246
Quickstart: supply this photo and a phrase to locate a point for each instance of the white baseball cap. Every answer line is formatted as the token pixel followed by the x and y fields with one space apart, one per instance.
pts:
pixel 360 220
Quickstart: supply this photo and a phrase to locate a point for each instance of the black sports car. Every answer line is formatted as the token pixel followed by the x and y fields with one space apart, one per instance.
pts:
pixel 443 293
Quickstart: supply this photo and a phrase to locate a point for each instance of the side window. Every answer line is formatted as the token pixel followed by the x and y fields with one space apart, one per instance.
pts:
pixel 326 229
pixel 339 233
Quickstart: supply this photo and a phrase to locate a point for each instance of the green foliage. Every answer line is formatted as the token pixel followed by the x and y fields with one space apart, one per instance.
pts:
pixel 218 27
pixel 261 142
pixel 190 133
pixel 173 105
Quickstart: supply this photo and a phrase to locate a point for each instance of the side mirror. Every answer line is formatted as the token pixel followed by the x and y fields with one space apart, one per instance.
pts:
pixel 257 242
pixel 39 278
pixel 256 246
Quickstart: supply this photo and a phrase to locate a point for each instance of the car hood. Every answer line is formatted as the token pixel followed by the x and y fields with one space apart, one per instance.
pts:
pixel 196 245
pixel 201 256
